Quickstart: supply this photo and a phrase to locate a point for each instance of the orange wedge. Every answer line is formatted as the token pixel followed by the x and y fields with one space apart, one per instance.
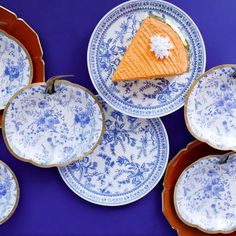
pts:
pixel 139 62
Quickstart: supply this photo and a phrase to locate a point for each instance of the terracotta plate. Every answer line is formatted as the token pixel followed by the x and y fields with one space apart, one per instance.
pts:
pixel 183 159
pixel 205 194
pixel 19 29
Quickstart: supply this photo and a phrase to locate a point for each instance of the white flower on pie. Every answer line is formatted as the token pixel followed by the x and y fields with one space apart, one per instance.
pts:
pixel 161 46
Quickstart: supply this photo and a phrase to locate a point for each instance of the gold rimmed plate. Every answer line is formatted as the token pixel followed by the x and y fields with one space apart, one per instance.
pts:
pixel 56 129
pixel 210 108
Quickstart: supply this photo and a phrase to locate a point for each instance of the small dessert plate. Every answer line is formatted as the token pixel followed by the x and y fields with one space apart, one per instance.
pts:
pixel 9 192
pixel 144 98
pixel 210 108
pixel 53 129
pixel 16 69
pixel 127 164
pixel 205 195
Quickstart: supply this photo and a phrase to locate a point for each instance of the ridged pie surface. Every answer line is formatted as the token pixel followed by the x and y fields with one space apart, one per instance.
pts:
pixel 139 62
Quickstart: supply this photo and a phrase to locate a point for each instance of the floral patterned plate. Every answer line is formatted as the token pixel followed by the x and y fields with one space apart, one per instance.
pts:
pixel 16 69
pixel 18 28
pixel 205 195
pixel 127 164
pixel 9 192
pixel 53 129
pixel 108 43
pixel 210 109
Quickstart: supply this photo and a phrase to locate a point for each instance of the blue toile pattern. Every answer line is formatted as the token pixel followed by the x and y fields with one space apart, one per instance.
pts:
pixel 211 108
pixel 15 68
pixel 8 192
pixel 53 129
pixel 147 98
pixel 127 164
pixel 205 194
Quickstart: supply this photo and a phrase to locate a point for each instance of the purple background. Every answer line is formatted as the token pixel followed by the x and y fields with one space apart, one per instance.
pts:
pixel 47 206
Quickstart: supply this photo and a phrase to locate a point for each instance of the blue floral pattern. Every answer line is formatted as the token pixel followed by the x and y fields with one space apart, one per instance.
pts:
pixel 147 98
pixel 8 192
pixel 15 68
pixel 211 108
pixel 52 130
pixel 205 194
pixel 127 164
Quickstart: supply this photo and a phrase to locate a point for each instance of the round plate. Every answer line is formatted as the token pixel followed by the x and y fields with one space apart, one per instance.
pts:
pixel 205 195
pixel 9 192
pixel 18 28
pixel 184 158
pixel 16 69
pixel 53 130
pixel 210 109
pixel 127 164
pixel 145 98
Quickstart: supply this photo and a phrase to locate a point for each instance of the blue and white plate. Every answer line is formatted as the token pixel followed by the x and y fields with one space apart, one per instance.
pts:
pixel 210 109
pixel 16 69
pixel 53 130
pixel 127 164
pixel 205 195
pixel 147 98
pixel 9 192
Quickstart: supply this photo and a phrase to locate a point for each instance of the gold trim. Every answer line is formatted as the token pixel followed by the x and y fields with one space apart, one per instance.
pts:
pixel 17 193
pixel 27 55
pixel 186 107
pixel 3 23
pixel 70 161
pixel 175 203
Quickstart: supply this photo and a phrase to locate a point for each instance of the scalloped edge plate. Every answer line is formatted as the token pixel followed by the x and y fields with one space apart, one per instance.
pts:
pixel 19 29
pixel 71 160
pixel 186 107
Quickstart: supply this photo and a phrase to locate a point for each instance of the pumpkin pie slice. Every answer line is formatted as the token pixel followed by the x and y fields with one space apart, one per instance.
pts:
pixel 155 51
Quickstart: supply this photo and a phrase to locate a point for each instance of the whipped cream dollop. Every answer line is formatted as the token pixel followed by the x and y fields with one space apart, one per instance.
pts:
pixel 161 46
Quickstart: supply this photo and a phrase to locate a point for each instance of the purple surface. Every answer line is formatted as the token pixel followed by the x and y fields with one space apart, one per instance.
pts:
pixel 47 206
